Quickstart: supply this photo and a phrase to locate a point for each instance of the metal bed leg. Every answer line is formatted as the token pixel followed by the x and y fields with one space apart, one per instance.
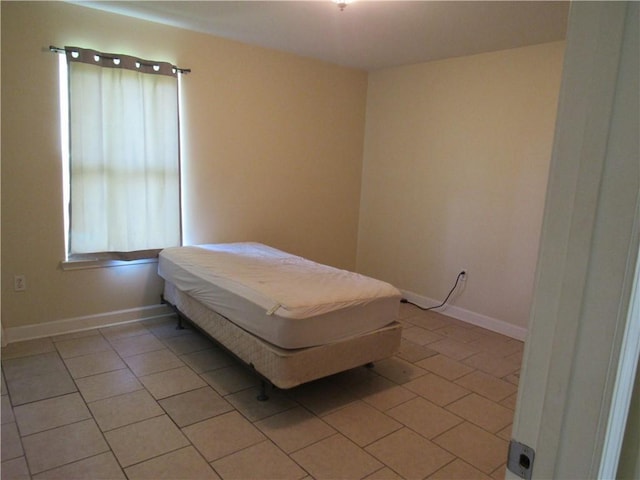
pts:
pixel 179 326
pixel 262 396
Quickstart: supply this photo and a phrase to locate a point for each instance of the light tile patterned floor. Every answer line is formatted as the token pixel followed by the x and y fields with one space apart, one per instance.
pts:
pixel 147 401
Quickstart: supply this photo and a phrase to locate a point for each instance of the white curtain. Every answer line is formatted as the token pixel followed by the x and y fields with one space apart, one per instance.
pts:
pixel 124 160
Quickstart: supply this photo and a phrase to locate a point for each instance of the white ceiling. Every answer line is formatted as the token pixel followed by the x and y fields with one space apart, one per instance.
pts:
pixel 368 34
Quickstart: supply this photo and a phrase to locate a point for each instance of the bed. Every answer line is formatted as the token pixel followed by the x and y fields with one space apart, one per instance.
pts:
pixel 290 319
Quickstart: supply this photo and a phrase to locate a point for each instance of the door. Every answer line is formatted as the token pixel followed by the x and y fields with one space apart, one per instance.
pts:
pixel 581 314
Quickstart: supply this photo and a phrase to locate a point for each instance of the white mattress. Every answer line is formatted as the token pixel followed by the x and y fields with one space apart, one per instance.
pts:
pixel 287 300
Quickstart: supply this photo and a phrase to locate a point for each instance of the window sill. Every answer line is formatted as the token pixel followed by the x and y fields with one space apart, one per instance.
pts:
pixel 86 264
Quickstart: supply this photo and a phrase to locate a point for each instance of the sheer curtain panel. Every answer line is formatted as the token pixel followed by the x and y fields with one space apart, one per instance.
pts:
pixel 124 155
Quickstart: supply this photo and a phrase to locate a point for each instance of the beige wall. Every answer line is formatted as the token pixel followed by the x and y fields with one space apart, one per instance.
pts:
pixel 273 153
pixel 455 161
pixel 455 170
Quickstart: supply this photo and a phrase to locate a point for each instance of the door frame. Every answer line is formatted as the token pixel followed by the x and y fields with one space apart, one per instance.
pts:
pixel 588 251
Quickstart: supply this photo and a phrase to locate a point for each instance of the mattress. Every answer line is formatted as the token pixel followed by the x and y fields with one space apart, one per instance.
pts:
pixel 282 367
pixel 284 299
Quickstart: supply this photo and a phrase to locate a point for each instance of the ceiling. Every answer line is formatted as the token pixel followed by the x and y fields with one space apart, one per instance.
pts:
pixel 367 34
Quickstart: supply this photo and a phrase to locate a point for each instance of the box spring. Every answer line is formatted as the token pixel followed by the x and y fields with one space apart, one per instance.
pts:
pixel 287 368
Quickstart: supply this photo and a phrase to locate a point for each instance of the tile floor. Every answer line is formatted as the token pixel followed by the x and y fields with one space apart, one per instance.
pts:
pixel 147 401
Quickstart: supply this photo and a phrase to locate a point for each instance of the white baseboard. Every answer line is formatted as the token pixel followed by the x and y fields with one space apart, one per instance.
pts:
pixel 77 324
pixel 477 319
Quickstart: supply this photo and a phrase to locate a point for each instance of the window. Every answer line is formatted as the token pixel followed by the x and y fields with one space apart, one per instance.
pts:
pixel 124 168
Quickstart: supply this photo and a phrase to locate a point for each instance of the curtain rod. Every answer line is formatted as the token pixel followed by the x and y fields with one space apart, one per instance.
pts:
pixel 55 49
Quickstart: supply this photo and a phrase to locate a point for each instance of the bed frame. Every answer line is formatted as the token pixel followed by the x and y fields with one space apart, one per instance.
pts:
pixel 284 368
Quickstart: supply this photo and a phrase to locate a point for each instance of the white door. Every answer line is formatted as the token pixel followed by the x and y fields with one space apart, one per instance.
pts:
pixel 588 252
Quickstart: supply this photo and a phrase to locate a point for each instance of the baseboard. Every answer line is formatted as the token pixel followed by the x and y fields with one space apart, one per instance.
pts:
pixel 477 319
pixel 77 324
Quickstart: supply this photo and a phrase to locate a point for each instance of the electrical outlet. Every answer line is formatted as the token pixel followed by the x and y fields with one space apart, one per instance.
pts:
pixel 19 283
pixel 463 274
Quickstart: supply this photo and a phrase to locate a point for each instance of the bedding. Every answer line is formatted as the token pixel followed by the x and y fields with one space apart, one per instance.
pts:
pixel 285 299
pixel 291 319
